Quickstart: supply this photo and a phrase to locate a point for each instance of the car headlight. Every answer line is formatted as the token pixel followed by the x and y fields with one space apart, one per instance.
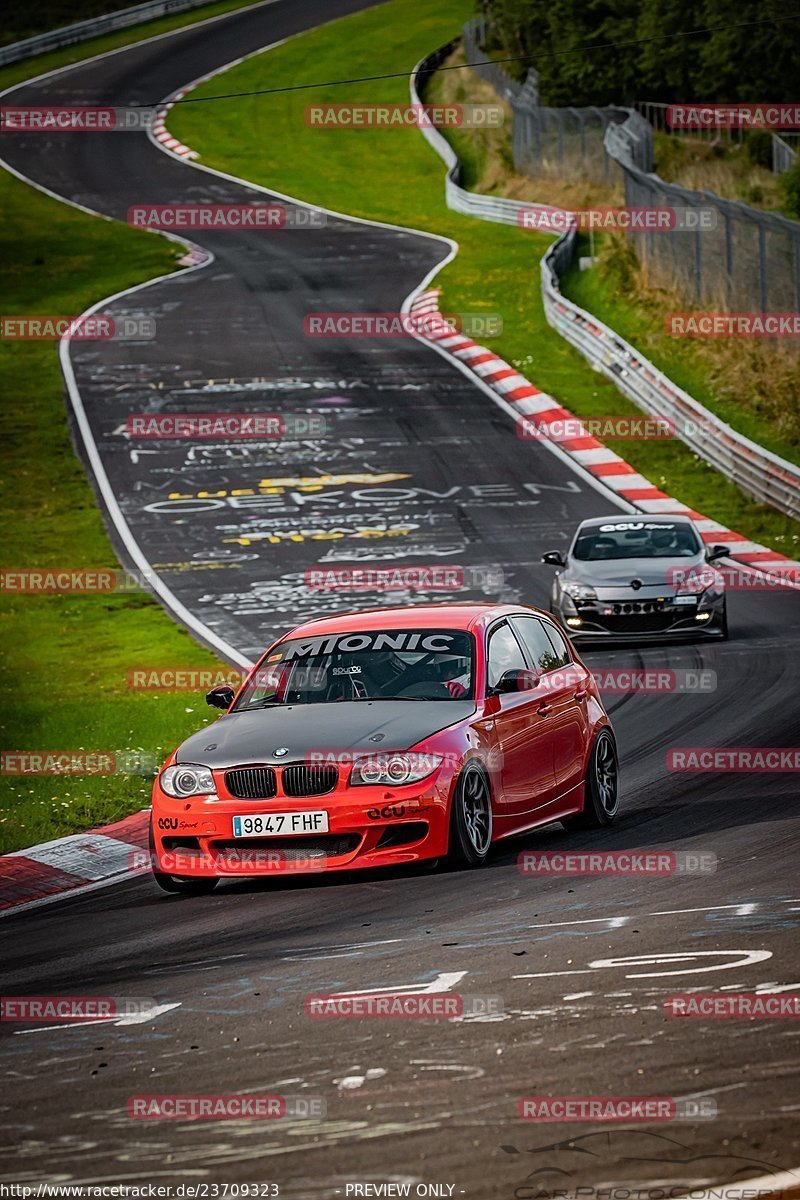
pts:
pixel 578 591
pixel 393 770
pixel 696 582
pixel 186 780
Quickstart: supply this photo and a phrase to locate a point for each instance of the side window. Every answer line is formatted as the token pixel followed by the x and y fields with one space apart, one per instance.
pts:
pixel 545 655
pixel 504 654
pixel 560 644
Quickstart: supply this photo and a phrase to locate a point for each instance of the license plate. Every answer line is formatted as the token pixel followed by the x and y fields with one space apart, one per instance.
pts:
pixel 279 824
pixel 684 600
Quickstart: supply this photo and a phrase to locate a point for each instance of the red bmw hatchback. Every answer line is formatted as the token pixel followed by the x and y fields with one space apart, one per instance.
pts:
pixel 387 737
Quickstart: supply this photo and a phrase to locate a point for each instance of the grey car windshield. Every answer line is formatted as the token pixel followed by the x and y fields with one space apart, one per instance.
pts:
pixel 636 539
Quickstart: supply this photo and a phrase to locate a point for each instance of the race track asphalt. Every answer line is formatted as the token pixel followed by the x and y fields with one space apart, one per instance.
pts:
pixel 579 963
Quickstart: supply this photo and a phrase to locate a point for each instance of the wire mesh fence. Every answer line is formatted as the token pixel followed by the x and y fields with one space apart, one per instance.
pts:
pixel 737 258
pixel 550 142
pixel 759 473
pixel 784 151
pixel 733 257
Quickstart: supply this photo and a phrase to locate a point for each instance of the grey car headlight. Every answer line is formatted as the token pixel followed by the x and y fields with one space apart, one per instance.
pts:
pixel 186 779
pixel 578 591
pixel 706 583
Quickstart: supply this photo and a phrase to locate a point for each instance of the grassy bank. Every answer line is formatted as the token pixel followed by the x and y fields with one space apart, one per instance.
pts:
pixel 393 175
pixel 729 169
pixel 64 685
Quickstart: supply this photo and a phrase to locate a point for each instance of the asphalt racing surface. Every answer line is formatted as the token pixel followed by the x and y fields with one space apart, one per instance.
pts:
pixel 418 466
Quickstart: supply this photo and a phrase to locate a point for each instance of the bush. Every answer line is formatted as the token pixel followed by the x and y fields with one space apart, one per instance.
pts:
pixel 758 148
pixel 790 189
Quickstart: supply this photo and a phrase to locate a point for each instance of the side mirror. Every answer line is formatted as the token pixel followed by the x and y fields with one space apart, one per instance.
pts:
pixel 221 697
pixel 554 558
pixel 518 679
pixel 717 552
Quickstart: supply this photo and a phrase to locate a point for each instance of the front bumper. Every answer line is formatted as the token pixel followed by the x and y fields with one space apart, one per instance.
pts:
pixel 368 827
pixel 637 618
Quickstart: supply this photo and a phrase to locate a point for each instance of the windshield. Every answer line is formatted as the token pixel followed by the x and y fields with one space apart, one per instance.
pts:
pixel 636 539
pixel 394 664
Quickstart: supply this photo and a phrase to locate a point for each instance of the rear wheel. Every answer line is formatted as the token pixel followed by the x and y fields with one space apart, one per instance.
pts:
pixel 471 821
pixel 601 790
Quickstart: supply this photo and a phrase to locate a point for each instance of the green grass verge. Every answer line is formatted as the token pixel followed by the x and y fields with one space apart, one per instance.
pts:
pixel 393 175
pixel 64 684
pixel 639 318
pixel 65 680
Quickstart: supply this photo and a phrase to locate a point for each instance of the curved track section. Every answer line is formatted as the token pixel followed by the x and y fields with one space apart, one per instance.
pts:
pixel 418 467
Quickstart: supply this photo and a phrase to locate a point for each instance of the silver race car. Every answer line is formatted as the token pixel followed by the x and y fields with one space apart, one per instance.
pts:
pixel 632 578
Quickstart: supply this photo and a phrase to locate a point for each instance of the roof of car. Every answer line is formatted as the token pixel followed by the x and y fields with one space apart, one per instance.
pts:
pixel 648 518
pixel 422 616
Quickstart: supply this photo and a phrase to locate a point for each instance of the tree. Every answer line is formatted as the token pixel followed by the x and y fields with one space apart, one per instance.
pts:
pixel 750 53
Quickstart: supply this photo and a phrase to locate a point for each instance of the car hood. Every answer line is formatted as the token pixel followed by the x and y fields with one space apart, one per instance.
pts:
pixel 253 737
pixel 618 573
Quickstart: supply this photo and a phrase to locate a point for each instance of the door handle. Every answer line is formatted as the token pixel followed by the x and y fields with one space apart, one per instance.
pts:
pixel 581 693
pixel 544 709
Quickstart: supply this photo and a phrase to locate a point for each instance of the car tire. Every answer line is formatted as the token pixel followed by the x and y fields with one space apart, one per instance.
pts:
pixel 601 789
pixel 471 818
pixel 186 885
pixel 724 624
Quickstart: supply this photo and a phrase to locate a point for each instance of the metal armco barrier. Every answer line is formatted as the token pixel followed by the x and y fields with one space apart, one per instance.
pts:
pixel 81 31
pixel 759 473
pixel 471 204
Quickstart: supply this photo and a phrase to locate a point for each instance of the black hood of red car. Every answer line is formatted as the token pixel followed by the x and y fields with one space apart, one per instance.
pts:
pixel 364 725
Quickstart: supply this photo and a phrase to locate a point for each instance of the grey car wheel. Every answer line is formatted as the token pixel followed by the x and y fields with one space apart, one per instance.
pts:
pixel 471 827
pixel 601 789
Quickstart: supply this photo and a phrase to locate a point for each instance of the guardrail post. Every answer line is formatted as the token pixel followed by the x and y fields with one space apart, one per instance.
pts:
pixel 728 255
pixel 762 265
